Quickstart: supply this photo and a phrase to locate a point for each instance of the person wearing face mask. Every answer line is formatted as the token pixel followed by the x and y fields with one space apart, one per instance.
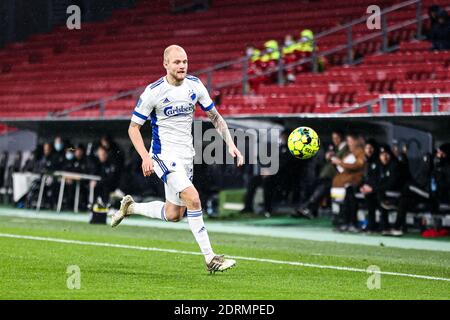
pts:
pixel 269 60
pixel 254 68
pixel 59 152
pixel 67 165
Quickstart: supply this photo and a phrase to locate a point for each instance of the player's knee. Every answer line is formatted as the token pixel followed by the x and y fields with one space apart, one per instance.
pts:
pixel 172 216
pixel 192 199
pixel 195 202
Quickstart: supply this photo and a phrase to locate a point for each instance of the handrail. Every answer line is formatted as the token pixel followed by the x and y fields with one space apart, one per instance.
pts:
pixel 398 97
pixel 313 59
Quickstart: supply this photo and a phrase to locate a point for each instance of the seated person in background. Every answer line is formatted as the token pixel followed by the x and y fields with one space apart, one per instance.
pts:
pixel 115 153
pixel 59 146
pixel 440 183
pixel 338 149
pixel 390 180
pixel 440 32
pixel 49 162
pixel 3 165
pixel 433 11
pixel 269 60
pixel 351 171
pixel 254 68
pixel 75 161
pixel 434 189
pixel 370 182
pixel 401 153
pixel 109 174
pixel 289 56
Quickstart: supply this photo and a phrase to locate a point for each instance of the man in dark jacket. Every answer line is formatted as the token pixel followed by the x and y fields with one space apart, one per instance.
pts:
pixel 440 181
pixel 370 182
pixel 440 32
pixel 390 181
pixel 431 187
pixel 75 161
pixel 46 164
pixel 109 174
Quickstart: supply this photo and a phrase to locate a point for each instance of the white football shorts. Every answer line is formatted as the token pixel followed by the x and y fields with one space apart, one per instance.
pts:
pixel 176 174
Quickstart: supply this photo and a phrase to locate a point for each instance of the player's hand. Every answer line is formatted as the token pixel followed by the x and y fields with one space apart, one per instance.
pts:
pixel 236 153
pixel 147 166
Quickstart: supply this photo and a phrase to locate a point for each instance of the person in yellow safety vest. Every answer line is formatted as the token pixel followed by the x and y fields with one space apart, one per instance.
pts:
pixel 289 56
pixel 289 45
pixel 270 51
pixel 306 41
pixel 256 56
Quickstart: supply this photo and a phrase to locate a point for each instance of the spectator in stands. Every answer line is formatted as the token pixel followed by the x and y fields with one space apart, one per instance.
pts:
pixel 269 60
pixel 432 190
pixel 80 163
pixel 108 171
pixel 338 149
pixel 289 56
pixel 32 160
pixel 59 152
pixel 414 192
pixel 75 161
pixel 351 171
pixel 67 164
pixel 254 68
pixel 48 163
pixel 440 186
pixel 304 49
pixel 370 182
pixel 3 165
pixel 390 181
pixel 401 153
pixel 440 32
pixel 115 154
pixel 433 15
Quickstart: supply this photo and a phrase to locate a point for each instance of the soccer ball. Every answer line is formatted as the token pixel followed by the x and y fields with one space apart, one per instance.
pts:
pixel 303 143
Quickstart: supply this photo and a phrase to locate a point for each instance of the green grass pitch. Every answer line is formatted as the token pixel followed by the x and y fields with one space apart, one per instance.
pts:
pixel 32 269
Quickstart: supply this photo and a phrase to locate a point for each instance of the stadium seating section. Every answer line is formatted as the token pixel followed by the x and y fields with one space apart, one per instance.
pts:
pixel 63 69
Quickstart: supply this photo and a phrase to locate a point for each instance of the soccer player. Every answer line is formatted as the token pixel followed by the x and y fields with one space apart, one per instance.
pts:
pixel 170 103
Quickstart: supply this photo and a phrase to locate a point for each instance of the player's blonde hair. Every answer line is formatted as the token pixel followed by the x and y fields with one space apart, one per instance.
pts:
pixel 169 49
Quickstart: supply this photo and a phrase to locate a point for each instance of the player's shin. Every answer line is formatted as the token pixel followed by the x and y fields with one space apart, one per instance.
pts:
pixel 195 220
pixel 154 209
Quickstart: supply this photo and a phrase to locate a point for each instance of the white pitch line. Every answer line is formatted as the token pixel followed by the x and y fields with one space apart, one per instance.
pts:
pixel 292 263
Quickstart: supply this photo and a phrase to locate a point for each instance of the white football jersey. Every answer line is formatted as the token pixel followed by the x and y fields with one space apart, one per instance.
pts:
pixel 171 111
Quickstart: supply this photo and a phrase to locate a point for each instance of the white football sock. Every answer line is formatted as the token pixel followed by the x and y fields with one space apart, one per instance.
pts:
pixel 154 209
pixel 195 220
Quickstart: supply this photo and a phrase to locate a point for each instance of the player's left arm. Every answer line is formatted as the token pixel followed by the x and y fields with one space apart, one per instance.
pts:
pixel 221 126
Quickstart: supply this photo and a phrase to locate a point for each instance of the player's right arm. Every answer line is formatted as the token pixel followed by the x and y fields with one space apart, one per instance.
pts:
pixel 134 132
pixel 140 114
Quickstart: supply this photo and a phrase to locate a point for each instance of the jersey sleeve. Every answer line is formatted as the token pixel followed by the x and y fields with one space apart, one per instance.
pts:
pixel 143 107
pixel 204 100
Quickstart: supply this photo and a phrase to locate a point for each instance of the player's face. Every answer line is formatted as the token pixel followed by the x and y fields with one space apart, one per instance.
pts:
pixel 177 65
